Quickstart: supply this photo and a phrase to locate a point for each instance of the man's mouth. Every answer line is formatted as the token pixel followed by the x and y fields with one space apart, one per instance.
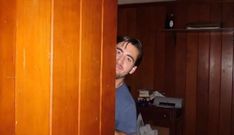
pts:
pixel 118 67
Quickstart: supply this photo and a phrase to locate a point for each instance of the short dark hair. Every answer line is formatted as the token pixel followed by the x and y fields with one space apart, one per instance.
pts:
pixel 135 42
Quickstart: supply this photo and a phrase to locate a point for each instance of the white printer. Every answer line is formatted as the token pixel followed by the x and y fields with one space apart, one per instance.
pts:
pixel 168 102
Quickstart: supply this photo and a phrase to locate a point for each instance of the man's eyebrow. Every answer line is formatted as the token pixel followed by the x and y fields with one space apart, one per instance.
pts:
pixel 119 49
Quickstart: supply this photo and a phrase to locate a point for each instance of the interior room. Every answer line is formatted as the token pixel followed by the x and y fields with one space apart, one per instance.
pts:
pixel 58 65
pixel 191 60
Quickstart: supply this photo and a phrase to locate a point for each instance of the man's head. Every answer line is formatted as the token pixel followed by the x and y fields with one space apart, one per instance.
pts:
pixel 128 56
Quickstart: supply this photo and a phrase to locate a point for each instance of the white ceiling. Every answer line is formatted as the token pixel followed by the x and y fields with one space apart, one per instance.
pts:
pixel 121 2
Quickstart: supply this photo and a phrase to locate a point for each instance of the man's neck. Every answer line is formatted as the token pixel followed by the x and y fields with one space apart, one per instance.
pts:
pixel 119 82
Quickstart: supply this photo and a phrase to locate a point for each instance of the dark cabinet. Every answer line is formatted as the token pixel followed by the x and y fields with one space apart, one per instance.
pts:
pixel 163 117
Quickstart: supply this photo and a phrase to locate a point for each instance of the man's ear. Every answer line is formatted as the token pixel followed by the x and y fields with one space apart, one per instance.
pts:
pixel 133 70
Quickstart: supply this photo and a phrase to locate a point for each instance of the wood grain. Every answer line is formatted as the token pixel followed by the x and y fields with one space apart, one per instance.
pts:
pixel 66 67
pixel 214 82
pixel 191 84
pixel 58 67
pixel 7 68
pixel 226 83
pixel 187 65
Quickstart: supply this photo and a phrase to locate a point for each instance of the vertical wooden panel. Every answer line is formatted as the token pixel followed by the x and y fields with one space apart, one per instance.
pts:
pixel 193 14
pixel 215 13
pixel 180 62
pixel 226 83
pixel 127 25
pixel 203 11
pixel 228 14
pixel 58 67
pixel 203 83
pixel 66 67
pixel 214 82
pixel 89 79
pixel 181 15
pixel 109 17
pixel 232 111
pixel 159 49
pixel 191 84
pixel 159 62
pixel 84 61
pixel 198 12
pixel 7 68
pixel 33 67
pixel 145 15
pixel 170 55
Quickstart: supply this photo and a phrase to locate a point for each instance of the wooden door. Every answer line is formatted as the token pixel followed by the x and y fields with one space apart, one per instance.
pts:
pixel 57 67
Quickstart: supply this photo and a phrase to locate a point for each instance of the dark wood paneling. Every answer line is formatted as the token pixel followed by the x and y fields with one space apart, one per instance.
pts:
pixel 159 48
pixel 128 25
pixel 170 56
pixel 159 61
pixel 228 14
pixel 190 99
pixel 232 113
pixel 180 67
pixel 203 83
pixel 226 83
pixel 215 13
pixel 188 65
pixel 227 1
pixel 198 13
pixel 145 26
pixel 181 14
pixel 214 82
pixel 203 12
pixel 193 13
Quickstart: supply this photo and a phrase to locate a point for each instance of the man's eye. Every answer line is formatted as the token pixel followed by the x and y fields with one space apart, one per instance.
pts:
pixel 129 60
pixel 118 52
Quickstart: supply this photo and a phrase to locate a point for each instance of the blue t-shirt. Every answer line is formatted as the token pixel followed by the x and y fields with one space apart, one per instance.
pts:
pixel 125 111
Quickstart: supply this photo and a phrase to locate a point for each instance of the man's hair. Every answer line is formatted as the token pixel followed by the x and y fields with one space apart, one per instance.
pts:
pixel 135 42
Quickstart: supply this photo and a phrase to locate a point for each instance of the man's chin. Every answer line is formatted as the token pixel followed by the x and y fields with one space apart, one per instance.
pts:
pixel 119 76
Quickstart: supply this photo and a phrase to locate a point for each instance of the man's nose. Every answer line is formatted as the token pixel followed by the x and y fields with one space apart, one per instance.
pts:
pixel 120 59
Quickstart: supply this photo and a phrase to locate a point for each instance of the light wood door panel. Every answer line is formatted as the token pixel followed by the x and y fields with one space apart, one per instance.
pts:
pixel 57 74
pixel 66 67
pixel 32 92
pixel 7 70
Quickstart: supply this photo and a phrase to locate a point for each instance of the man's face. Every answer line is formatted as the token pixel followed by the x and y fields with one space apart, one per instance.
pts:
pixel 126 56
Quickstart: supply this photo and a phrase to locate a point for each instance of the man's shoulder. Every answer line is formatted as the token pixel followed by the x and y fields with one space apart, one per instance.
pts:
pixel 124 95
pixel 125 100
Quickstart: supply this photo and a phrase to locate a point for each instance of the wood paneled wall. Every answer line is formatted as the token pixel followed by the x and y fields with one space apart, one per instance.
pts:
pixel 57 67
pixel 203 77
pixel 196 66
